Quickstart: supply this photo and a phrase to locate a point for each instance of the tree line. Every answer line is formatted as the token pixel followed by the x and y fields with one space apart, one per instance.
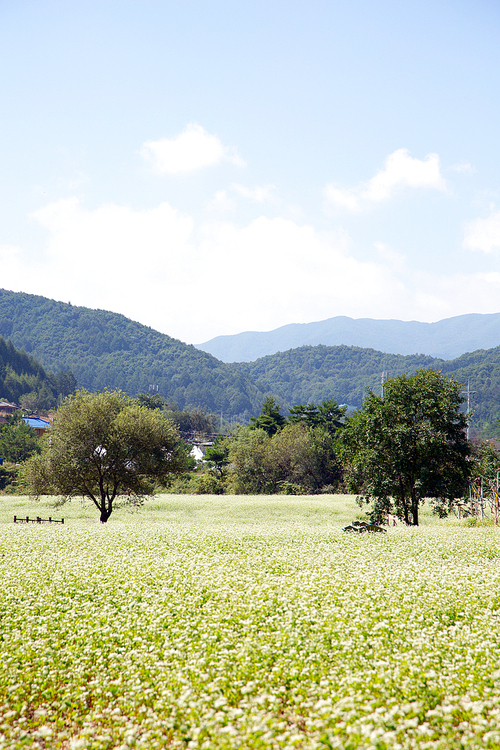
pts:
pixel 401 448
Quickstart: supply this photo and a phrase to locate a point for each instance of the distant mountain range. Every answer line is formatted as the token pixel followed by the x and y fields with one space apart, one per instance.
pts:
pixel 108 350
pixel 446 339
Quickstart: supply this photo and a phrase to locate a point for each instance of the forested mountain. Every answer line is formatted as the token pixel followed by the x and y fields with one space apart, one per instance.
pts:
pixel 444 339
pixel 313 373
pixel 23 379
pixel 104 349
pixel 482 370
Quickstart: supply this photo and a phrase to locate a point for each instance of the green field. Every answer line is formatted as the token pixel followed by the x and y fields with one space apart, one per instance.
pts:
pixel 246 622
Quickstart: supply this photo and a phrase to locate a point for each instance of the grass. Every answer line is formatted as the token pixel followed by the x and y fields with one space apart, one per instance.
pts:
pixel 196 509
pixel 314 510
pixel 246 622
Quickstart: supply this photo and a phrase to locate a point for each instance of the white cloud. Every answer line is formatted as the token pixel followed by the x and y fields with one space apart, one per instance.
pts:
pixel 483 234
pixel 463 166
pixel 403 170
pixel 193 149
pixel 225 201
pixel 158 267
pixel 259 194
pixel 221 202
pixel 396 260
pixel 400 170
pixel 342 198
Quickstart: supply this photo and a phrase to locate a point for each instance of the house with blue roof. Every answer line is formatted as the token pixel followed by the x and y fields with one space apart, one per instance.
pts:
pixel 39 425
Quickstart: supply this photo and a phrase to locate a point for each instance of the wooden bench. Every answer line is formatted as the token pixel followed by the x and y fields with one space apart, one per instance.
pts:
pixel 27 519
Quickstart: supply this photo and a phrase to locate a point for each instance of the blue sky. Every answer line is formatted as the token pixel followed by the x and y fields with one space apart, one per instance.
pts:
pixel 213 167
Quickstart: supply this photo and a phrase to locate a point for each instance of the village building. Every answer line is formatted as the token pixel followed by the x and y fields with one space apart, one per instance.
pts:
pixel 6 410
pixel 39 425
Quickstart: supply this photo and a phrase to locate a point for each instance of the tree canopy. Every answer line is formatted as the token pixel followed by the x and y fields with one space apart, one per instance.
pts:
pixel 296 459
pixel 328 414
pixel 102 446
pixel 270 419
pixel 18 440
pixel 23 380
pixel 408 445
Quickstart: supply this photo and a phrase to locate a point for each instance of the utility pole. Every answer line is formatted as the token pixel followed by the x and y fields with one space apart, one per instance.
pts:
pixel 468 393
pixel 382 381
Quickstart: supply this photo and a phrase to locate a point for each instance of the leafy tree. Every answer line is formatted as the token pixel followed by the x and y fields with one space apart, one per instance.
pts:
pixel 328 415
pixel 485 471
pixel 8 477
pixel 327 469
pixel 302 457
pixel 217 457
pixel 270 419
pixel 18 440
pixel 192 421
pixel 296 460
pixel 485 461
pixel 154 401
pixel 408 445
pixel 102 446
pixel 250 472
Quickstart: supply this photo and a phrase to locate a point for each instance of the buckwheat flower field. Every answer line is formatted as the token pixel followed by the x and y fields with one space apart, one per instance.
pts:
pixel 226 623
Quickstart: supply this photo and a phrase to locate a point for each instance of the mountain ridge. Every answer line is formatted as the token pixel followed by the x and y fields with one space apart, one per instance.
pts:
pixel 313 373
pixel 108 350
pixel 444 339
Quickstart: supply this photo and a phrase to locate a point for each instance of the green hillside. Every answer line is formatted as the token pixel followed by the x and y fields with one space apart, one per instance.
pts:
pixel 23 379
pixel 313 373
pixel 482 369
pixel 104 349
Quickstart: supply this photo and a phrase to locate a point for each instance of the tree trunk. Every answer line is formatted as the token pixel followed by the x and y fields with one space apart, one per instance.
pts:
pixel 414 507
pixel 105 513
pixel 403 502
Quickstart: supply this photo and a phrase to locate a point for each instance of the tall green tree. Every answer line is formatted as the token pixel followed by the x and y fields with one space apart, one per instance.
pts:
pixel 192 422
pixel 270 419
pixel 408 445
pixel 151 401
pixel 249 470
pixel 217 457
pixel 103 446
pixel 302 459
pixel 296 460
pixel 328 415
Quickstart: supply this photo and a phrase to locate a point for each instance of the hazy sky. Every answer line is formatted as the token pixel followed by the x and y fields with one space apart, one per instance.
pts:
pixel 213 167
